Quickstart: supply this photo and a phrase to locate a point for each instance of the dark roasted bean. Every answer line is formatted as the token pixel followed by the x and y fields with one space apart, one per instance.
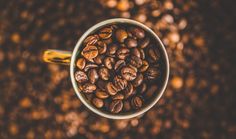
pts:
pixel 80 77
pixel 91 40
pixel 120 83
pixel 118 96
pixel 111 89
pixel 101 94
pixel 136 52
pixel 128 91
pixel 121 35
pixel 128 73
pixel 89 52
pixel 119 64
pixel 98 60
pixel 97 102
pixel 101 84
pixel 116 106
pixel 102 47
pixel 131 42
pixel 137 32
pixel 138 80
pixel 135 61
pixel 105 33
pixel 137 102
pixel 90 66
pixel 88 88
pixel 144 67
pixel 143 88
pixel 154 54
pixel 104 73
pixel 112 49
pixel 93 75
pixel 151 90
pixel 122 53
pixel 142 53
pixel 81 62
pixel 109 62
pixel 152 73
pixel 144 43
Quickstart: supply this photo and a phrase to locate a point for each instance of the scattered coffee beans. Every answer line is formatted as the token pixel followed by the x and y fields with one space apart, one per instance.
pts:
pixel 118 69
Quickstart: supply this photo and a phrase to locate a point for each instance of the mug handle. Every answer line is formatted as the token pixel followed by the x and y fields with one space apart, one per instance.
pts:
pixel 57 56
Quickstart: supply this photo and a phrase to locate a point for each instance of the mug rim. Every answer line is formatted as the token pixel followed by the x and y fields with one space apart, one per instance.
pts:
pixel 72 69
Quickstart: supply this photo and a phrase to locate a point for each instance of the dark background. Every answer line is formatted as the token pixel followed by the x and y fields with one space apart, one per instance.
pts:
pixel 37 99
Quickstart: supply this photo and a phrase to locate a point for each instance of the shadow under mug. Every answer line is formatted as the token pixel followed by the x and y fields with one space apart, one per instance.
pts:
pixel 68 58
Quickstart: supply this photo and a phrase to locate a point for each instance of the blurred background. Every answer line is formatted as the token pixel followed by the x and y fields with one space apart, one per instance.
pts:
pixel 37 100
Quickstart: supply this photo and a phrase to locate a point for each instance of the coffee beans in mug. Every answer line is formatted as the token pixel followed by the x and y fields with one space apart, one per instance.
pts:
pixel 119 67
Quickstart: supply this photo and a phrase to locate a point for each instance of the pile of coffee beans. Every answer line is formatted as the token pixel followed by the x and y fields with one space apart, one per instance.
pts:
pixel 119 68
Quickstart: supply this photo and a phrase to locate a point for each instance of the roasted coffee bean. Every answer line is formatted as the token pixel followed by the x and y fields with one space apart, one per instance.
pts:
pixel 120 83
pixel 137 102
pixel 109 62
pixel 119 64
pixel 104 73
pixel 122 53
pixel 133 67
pixel 111 89
pixel 135 61
pixel 102 47
pixel 137 32
pixel 143 88
pixel 131 42
pixel 112 49
pixel 151 90
pixel 81 62
pixel 121 35
pixel 144 67
pixel 97 102
pixel 93 75
pixel 108 41
pixel 88 88
pixel 98 60
pixel 127 106
pixel 154 54
pixel 116 106
pixel 89 97
pixel 138 80
pixel 101 94
pixel 135 52
pixel 128 91
pixel 128 73
pixel 144 43
pixel 142 53
pixel 91 40
pixel 90 66
pixel 101 84
pixel 89 52
pixel 152 73
pixel 118 96
pixel 80 77
pixel 105 33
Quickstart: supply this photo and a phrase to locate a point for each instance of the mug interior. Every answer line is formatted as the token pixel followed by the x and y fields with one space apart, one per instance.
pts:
pixel 161 89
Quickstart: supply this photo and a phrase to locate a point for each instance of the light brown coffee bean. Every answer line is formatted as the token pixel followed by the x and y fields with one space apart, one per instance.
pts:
pixel 109 62
pixel 118 96
pixel 137 102
pixel 93 75
pixel 122 53
pixel 154 54
pixel 101 94
pixel 121 35
pixel 128 73
pixel 120 83
pixel 98 60
pixel 144 67
pixel 111 89
pixel 131 42
pixel 90 66
pixel 135 52
pixel 144 43
pixel 102 47
pixel 81 62
pixel 137 32
pixel 97 102
pixel 135 61
pixel 128 91
pixel 80 76
pixel 119 64
pixel 112 49
pixel 138 80
pixel 89 52
pixel 91 40
pixel 104 73
pixel 116 106
pixel 105 33
pixel 152 73
pixel 88 88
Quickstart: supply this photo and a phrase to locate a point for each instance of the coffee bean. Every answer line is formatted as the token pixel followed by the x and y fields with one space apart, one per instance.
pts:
pixel 154 54
pixel 109 62
pixel 93 75
pixel 101 94
pixel 104 73
pixel 151 90
pixel 81 62
pixel 144 67
pixel 131 42
pixel 90 66
pixel 97 102
pixel 142 53
pixel 122 53
pixel 143 88
pixel 102 47
pixel 118 96
pixel 152 73
pixel 108 41
pixel 119 64
pixel 121 35
pixel 101 84
pixel 128 73
pixel 138 80
pixel 80 77
pixel 98 60
pixel 133 67
pixel 137 32
pixel 116 106
pixel 135 52
pixel 111 89
pixel 89 97
pixel 112 49
pixel 105 33
pixel 144 43
pixel 128 91
pixel 135 61
pixel 120 83
pixel 88 88
pixel 91 40
pixel 89 52
pixel 137 102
